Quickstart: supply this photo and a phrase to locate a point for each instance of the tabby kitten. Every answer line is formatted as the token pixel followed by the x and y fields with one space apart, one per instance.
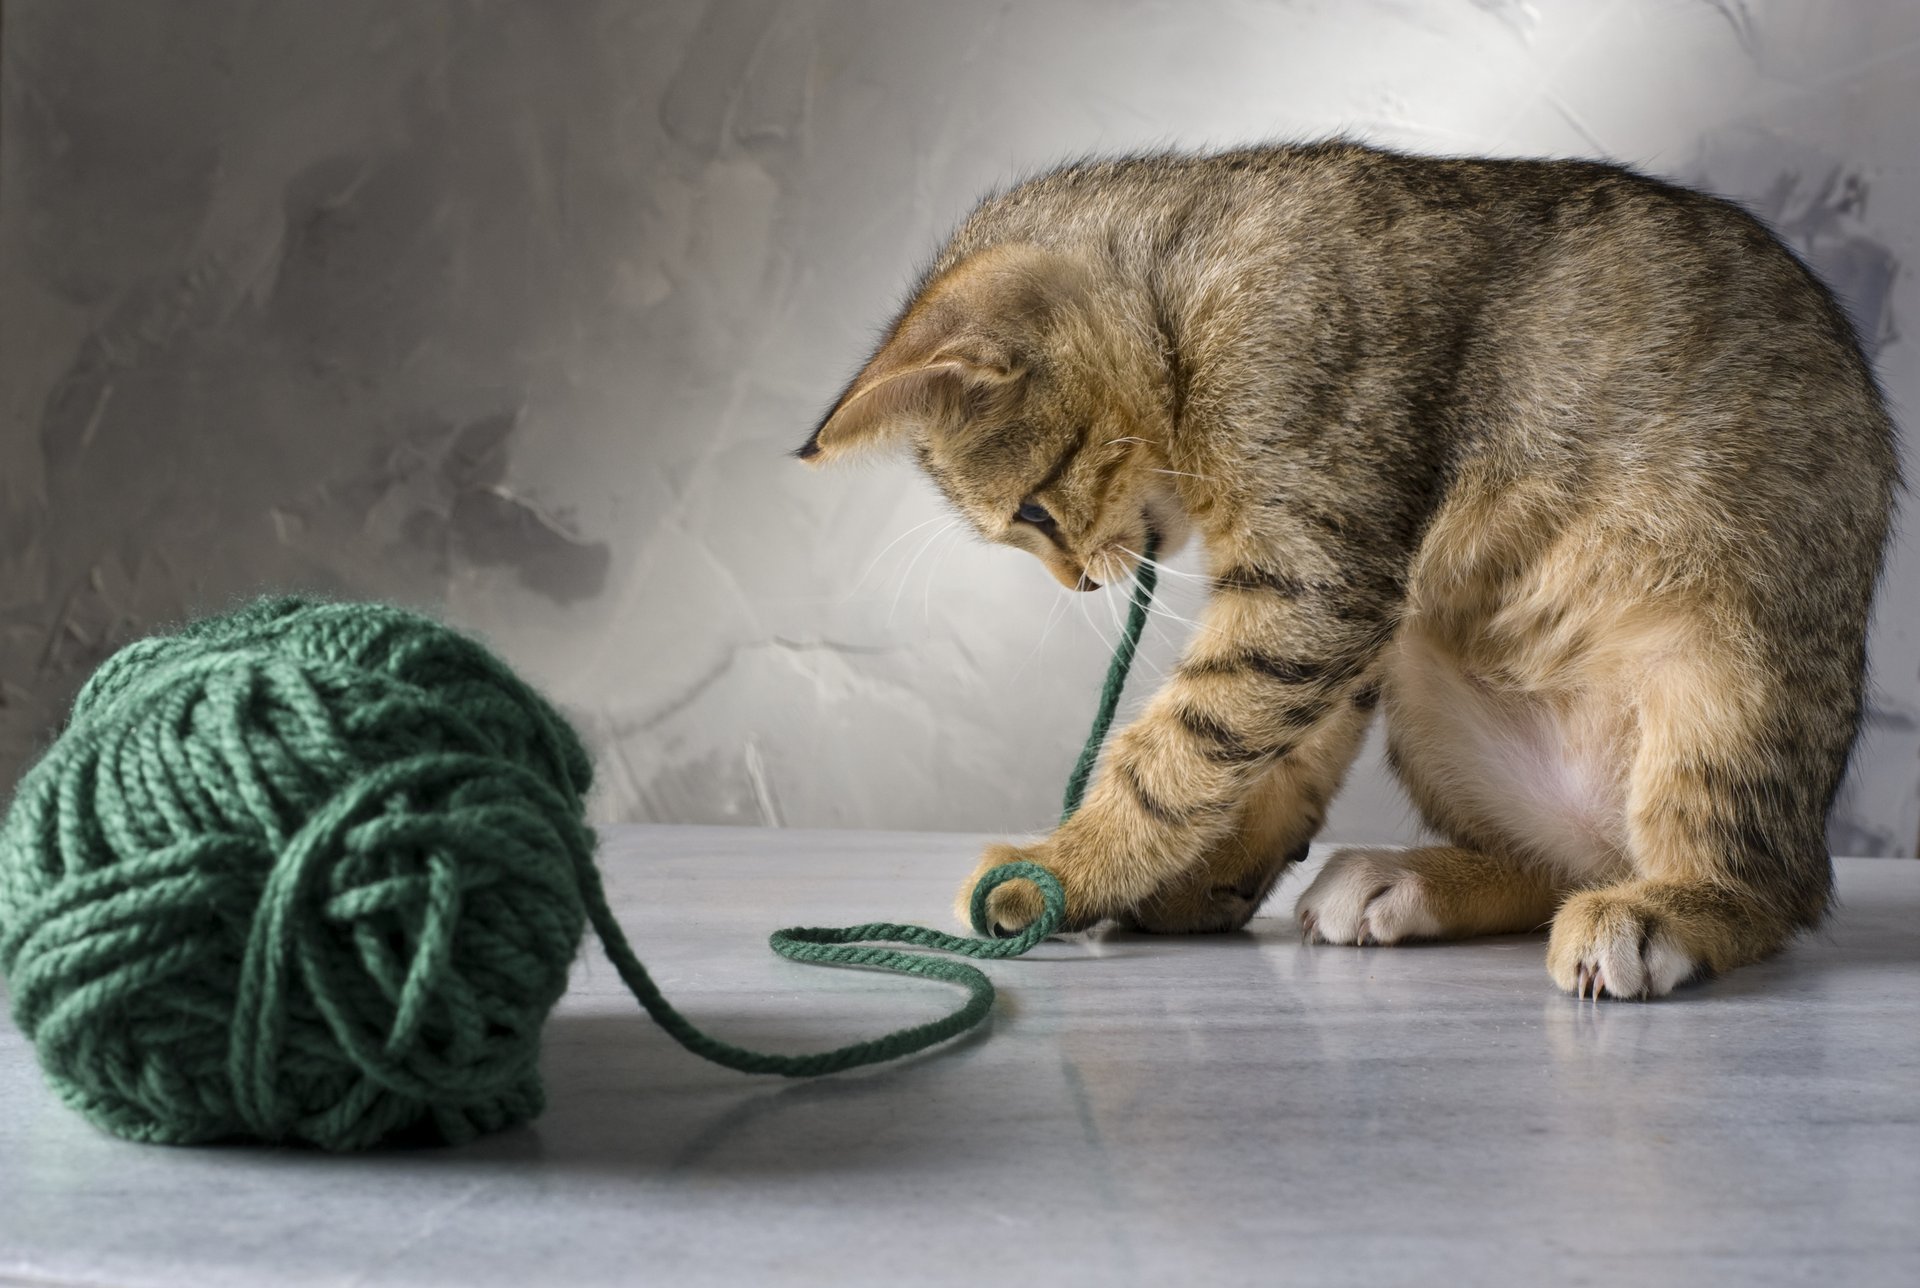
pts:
pixel 1581 478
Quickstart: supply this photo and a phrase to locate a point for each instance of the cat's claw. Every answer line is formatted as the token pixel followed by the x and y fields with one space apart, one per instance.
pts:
pixel 1592 982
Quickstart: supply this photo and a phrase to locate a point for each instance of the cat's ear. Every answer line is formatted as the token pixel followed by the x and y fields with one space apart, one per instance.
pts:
pixel 961 347
pixel 892 397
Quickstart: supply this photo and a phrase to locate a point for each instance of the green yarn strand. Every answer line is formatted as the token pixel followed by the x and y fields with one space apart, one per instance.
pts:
pixel 845 946
pixel 1144 581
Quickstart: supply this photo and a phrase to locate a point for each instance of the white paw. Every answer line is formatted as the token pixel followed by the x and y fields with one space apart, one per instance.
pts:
pixel 1366 897
pixel 1607 943
pixel 1630 965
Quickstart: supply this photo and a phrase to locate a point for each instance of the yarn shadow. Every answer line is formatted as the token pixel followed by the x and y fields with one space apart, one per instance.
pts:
pixel 624 1099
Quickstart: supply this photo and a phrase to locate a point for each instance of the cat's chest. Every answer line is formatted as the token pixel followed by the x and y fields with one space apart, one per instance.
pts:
pixel 1543 768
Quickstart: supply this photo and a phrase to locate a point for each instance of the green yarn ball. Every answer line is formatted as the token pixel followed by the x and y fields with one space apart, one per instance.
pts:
pixel 308 871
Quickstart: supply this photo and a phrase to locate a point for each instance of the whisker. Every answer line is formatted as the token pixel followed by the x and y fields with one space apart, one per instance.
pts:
pixel 1158 605
pixel 1088 619
pixel 1157 608
pixel 906 575
pixel 883 553
pixel 1143 656
pixel 1054 615
pixel 933 575
pixel 1160 632
pixel 1182 473
pixel 1168 614
pixel 1120 592
pixel 1162 568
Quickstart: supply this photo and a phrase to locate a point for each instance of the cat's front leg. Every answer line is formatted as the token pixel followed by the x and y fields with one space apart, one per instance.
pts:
pixel 1150 815
pixel 1276 663
pixel 1283 813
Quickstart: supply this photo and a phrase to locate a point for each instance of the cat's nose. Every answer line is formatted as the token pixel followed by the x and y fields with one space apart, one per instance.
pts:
pixel 1086 583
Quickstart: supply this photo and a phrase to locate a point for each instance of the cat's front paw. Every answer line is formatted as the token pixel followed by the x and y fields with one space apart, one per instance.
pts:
pixel 1607 943
pixel 1012 906
pixel 1366 897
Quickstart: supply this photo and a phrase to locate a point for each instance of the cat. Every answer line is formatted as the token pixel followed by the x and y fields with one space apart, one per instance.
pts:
pixel 1580 477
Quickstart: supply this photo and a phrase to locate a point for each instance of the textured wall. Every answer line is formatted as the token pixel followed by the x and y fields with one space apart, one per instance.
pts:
pixel 511 310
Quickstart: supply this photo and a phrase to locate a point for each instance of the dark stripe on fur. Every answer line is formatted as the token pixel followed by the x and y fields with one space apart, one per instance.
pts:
pixel 1284 669
pixel 1161 813
pixel 1287 670
pixel 1059 468
pixel 1223 744
pixel 1304 714
pixel 1248 578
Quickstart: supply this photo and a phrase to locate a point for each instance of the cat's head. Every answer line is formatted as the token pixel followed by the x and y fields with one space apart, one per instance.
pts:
pixel 1033 394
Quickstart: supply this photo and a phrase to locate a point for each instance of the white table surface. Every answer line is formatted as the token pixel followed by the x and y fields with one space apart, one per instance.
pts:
pixel 1237 1109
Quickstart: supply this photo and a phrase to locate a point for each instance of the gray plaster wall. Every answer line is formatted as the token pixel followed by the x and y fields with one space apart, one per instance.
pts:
pixel 511 311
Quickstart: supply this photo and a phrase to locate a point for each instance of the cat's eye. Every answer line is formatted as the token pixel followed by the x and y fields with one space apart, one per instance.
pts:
pixel 1034 513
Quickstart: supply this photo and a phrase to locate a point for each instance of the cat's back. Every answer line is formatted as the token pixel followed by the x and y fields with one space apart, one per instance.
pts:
pixel 1589 285
pixel 1601 301
pixel 1423 218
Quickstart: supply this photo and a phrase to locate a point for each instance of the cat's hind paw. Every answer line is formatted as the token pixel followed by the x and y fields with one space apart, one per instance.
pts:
pixel 1366 896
